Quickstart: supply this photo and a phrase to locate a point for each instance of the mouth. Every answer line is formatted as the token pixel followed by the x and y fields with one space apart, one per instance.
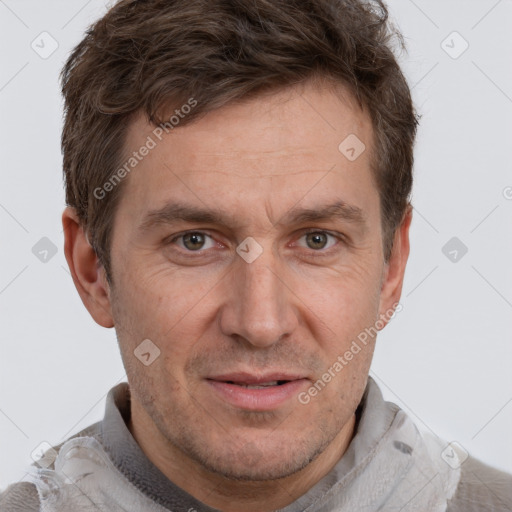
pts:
pixel 257 393
pixel 263 385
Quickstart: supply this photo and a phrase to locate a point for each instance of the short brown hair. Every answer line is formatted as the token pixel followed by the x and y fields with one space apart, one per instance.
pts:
pixel 152 55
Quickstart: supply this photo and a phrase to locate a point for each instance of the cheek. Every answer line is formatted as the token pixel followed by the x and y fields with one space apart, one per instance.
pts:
pixel 348 295
pixel 169 308
pixel 340 310
pixel 151 293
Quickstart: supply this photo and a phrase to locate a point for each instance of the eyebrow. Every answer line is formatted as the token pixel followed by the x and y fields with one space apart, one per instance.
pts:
pixel 176 211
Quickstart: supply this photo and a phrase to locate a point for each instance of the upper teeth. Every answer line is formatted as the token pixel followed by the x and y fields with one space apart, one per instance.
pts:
pixel 262 385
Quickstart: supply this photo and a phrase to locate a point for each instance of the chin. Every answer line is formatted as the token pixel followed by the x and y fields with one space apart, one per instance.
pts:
pixel 251 463
pixel 257 472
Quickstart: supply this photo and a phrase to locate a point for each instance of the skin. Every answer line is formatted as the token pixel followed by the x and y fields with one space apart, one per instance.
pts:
pixel 210 312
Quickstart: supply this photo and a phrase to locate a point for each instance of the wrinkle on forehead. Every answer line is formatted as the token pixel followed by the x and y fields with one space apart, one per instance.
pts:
pixel 246 176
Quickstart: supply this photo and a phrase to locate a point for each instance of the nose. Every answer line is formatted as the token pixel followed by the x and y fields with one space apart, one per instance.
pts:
pixel 259 308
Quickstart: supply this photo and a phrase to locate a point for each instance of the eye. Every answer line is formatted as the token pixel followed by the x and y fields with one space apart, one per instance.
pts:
pixel 319 240
pixel 194 241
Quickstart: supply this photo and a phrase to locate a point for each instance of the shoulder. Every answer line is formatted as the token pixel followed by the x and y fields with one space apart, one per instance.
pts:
pixel 481 487
pixel 20 497
pixel 23 496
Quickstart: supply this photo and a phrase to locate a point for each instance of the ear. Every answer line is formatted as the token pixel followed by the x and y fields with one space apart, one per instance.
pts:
pixel 87 272
pixel 394 270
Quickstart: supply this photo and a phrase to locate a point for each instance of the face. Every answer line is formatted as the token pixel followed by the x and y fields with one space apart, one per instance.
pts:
pixel 248 248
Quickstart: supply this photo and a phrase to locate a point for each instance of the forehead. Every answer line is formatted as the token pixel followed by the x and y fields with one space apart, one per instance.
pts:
pixel 264 154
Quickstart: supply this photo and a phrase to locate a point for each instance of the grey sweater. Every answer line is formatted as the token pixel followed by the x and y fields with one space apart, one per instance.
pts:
pixel 481 488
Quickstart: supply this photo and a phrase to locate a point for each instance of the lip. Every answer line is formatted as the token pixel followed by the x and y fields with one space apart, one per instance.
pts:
pixel 228 388
pixel 254 380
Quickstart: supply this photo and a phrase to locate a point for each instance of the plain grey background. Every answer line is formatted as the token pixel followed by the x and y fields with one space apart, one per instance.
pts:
pixel 445 358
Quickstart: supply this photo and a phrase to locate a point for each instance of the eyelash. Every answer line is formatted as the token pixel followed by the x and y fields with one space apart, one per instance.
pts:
pixel 314 253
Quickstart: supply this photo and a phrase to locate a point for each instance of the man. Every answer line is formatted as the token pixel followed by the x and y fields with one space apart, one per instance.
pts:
pixel 237 179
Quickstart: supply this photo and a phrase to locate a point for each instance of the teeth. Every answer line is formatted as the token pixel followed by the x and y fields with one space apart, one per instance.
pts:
pixel 260 386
